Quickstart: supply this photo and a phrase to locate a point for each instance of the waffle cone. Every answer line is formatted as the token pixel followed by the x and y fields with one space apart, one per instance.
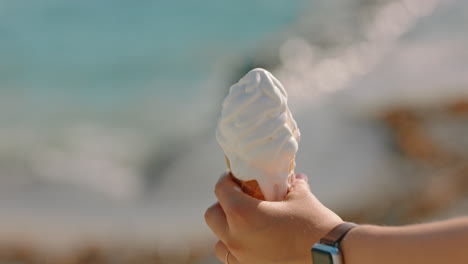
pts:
pixel 252 187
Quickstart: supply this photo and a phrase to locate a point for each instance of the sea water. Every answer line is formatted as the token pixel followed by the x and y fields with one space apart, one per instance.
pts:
pixel 102 53
pixel 118 86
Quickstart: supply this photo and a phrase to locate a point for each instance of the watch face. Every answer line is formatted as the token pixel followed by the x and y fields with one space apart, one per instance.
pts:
pixel 324 254
pixel 320 257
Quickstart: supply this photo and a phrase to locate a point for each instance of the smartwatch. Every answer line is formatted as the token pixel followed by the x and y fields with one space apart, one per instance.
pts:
pixel 328 250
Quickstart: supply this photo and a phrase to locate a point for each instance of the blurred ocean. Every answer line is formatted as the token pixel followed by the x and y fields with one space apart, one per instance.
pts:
pixel 118 78
pixel 109 54
pixel 108 108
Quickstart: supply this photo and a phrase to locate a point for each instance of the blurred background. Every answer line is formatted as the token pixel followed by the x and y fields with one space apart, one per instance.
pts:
pixel 108 111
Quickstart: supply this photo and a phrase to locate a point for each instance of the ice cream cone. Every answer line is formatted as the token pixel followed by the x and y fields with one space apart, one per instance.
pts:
pixel 252 187
pixel 258 133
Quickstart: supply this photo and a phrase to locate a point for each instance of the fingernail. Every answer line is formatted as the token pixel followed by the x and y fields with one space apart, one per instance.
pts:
pixel 302 176
pixel 237 189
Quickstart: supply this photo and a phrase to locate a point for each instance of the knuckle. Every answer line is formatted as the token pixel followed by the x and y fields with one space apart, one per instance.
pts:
pixel 217 189
pixel 218 249
pixel 219 183
pixel 219 245
pixel 234 246
pixel 236 210
pixel 209 213
pixel 239 209
pixel 239 212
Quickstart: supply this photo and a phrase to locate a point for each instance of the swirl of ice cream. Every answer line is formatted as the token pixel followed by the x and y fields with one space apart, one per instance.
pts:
pixel 258 133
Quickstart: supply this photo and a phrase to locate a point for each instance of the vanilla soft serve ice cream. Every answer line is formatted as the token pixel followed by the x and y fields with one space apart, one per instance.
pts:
pixel 258 133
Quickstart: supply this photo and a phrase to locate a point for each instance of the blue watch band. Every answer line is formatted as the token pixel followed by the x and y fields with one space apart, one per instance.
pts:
pixel 328 251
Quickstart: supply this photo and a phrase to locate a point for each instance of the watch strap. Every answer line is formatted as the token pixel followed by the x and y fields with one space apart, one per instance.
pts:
pixel 337 234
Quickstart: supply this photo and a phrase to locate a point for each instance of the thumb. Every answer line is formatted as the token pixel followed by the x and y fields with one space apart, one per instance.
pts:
pixel 230 195
pixel 300 187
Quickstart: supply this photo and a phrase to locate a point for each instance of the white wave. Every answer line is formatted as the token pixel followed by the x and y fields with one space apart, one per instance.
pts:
pixel 310 75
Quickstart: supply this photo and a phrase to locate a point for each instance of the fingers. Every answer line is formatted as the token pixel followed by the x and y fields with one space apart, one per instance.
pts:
pixel 221 252
pixel 300 188
pixel 215 218
pixel 231 197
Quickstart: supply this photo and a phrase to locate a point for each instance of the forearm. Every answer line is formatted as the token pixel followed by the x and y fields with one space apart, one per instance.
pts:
pixel 440 242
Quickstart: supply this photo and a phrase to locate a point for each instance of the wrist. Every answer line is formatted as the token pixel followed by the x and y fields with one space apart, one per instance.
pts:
pixel 322 228
pixel 328 250
pixel 318 232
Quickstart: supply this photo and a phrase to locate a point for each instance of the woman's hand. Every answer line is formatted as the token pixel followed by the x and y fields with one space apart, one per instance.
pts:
pixel 255 231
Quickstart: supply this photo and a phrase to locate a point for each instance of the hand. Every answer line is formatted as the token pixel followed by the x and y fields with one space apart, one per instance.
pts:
pixel 264 232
